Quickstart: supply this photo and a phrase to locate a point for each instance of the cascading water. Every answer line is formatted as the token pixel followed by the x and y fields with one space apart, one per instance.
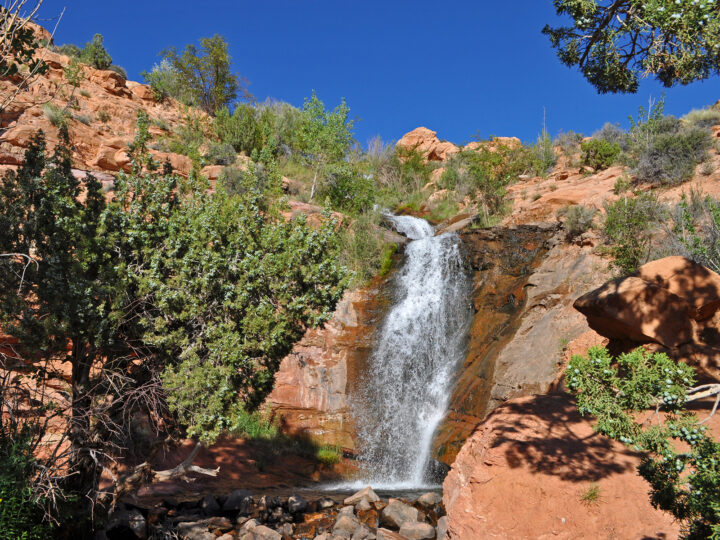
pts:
pixel 420 344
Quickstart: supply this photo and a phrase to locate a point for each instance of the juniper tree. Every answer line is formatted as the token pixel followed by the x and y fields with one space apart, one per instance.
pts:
pixel 615 42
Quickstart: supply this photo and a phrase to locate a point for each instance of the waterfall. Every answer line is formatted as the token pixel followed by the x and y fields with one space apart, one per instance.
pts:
pixel 403 396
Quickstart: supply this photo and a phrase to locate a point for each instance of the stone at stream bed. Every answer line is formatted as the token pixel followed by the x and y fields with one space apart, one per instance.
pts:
pixel 365 493
pixel 429 499
pixel 397 513
pixel 268 503
pixel 442 528
pixel 384 534
pixel 296 504
pixel 417 531
pixel 261 532
pixel 347 511
pixel 363 505
pixel 210 506
pixel 345 526
pixel 325 502
pixel 239 500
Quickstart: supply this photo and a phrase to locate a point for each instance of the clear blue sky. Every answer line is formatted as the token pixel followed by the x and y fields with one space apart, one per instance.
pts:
pixel 456 67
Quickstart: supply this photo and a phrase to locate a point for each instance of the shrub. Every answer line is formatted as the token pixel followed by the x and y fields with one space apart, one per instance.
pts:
pixel 386 260
pixel 591 495
pixel 363 247
pixel 569 142
pixel 221 154
pixel 56 115
pixel 695 231
pixel 450 178
pixel 84 118
pixel 165 82
pixel 20 515
pixel 119 70
pixel 542 155
pixel 599 153
pixel 702 118
pixel 348 189
pixel 628 230
pixel 613 134
pixel 239 129
pixel 103 116
pixel 94 53
pixel 84 93
pixel 622 184
pixel 577 220
pixel 329 454
pixel 671 158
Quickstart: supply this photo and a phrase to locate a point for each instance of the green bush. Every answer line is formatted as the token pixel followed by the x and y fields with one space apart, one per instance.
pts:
pixel 94 54
pixel 119 70
pixel 577 220
pixel 221 154
pixel 239 129
pixel 57 116
pixel 628 230
pixel 166 82
pixel 703 118
pixel 695 231
pixel 329 454
pixel 103 116
pixel 599 153
pixel 363 248
pixel 541 156
pixel 569 142
pixel 671 157
pixel 21 517
pixel 613 134
pixel 348 189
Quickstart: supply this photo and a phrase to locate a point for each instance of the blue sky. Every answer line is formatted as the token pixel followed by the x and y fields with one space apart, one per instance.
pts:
pixel 460 68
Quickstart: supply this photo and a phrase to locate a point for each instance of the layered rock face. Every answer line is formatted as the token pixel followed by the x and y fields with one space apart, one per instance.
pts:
pixel 526 279
pixel 313 384
pixel 425 141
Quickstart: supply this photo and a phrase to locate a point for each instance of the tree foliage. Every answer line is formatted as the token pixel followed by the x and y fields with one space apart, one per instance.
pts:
pixel 614 42
pixel 681 460
pixel 201 76
pixel 94 53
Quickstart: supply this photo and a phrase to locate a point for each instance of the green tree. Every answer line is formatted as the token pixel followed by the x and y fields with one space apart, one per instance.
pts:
pixel 681 460
pixel 324 136
pixel 614 42
pixel 205 75
pixel 94 53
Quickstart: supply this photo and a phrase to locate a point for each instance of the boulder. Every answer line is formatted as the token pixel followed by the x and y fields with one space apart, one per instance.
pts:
pixel 697 285
pixel 363 505
pixel 385 534
pixel 296 504
pixel 261 532
pixel 238 501
pixel 345 526
pixel 127 524
pixel 365 493
pixel 347 511
pixel 425 141
pixel 429 499
pixel 442 528
pixel 210 506
pixel 417 531
pixel 632 308
pixel 397 513
pixel 326 502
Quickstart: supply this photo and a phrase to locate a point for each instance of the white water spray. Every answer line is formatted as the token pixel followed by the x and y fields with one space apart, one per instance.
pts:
pixel 403 397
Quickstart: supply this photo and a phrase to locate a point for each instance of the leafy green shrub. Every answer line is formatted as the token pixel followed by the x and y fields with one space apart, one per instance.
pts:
pixel 450 177
pixel 329 454
pixel 599 153
pixel 622 184
pixel 69 49
pixel 221 154
pixel 252 425
pixel 577 220
pixel 94 53
pixel 239 129
pixel 671 158
pixel 628 229
pixel 680 459
pixel 349 190
pixel 363 247
pixel 57 116
pixel 542 156
pixel 166 82
pixel 695 231
pixel 20 515
pixel 702 118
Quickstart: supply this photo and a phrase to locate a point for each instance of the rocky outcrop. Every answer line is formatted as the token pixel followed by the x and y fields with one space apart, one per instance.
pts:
pixel 101 117
pixel 425 141
pixel 660 303
pixel 526 280
pixel 524 472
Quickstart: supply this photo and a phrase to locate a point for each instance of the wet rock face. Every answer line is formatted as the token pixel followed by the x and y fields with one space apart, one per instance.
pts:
pixel 314 381
pixel 526 279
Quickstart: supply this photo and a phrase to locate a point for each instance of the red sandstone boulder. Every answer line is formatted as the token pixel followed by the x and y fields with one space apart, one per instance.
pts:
pixel 656 304
pixel 426 142
pixel 523 472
